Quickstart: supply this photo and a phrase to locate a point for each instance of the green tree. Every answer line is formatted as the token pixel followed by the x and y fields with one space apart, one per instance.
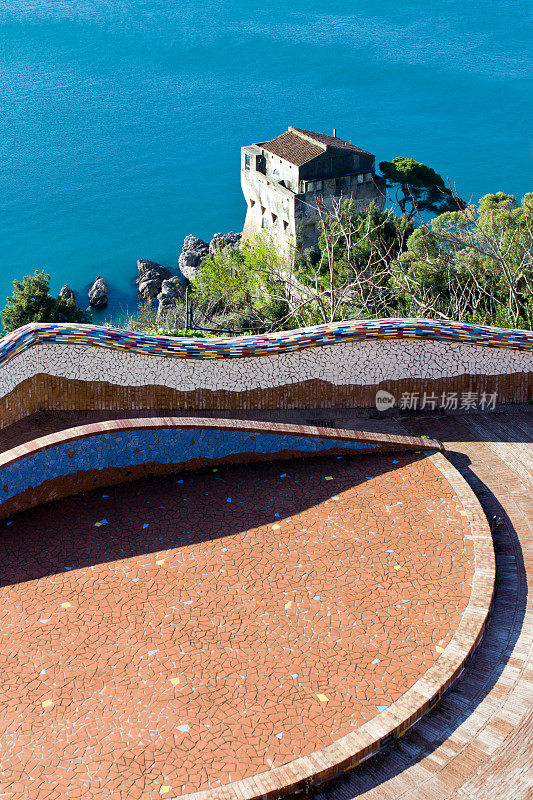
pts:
pixel 242 287
pixel 474 265
pixel 31 301
pixel 418 187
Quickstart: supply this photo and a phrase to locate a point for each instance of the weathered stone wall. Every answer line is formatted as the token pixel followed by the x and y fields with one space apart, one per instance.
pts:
pixel 261 192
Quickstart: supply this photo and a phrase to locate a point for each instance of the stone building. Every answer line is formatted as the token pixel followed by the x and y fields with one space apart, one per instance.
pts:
pixel 284 178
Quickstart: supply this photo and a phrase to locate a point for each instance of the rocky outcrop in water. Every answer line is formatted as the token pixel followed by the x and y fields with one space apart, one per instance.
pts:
pixel 150 278
pixel 220 241
pixel 98 293
pixel 172 291
pixel 66 293
pixel 195 250
pixel 192 256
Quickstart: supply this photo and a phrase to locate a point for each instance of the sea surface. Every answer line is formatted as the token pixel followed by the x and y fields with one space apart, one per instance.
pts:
pixel 121 120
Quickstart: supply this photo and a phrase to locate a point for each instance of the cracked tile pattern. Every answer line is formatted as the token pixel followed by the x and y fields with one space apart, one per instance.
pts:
pixel 359 363
pixel 372 351
pixel 171 445
pixel 172 635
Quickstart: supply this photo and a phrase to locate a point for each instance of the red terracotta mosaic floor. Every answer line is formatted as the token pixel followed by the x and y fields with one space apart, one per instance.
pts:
pixel 167 636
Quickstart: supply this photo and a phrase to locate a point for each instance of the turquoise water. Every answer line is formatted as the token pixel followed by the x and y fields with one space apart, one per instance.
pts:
pixel 121 122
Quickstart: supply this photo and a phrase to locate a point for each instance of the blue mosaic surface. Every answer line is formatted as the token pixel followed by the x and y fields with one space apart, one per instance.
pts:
pixel 166 446
pixel 268 344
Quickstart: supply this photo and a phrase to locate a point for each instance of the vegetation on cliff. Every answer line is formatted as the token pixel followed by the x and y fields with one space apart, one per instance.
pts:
pixel 471 262
pixel 31 301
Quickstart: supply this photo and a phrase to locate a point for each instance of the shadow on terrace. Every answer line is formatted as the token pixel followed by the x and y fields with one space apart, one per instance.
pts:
pixel 156 514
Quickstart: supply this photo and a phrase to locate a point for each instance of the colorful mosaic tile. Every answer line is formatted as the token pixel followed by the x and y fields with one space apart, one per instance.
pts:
pixel 20 340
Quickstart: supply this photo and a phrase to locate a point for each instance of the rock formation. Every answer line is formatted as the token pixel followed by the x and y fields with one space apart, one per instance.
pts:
pixel 192 255
pixel 220 241
pixel 98 293
pixel 150 278
pixel 66 293
pixel 195 250
pixel 171 293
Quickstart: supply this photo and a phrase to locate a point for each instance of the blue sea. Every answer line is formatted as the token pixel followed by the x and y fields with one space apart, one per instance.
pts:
pixel 121 120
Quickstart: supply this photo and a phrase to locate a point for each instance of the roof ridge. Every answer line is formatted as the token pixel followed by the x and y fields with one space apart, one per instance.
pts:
pixel 327 140
pixel 305 135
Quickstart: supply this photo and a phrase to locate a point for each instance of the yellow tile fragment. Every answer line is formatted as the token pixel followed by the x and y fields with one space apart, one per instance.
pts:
pixel 159 563
pixel 397 566
pixel 165 789
pixel 47 703
pixel 276 527
pixel 323 698
pixel 439 649
pixel 328 478
pixel 174 681
pixel 65 605
pixel 289 604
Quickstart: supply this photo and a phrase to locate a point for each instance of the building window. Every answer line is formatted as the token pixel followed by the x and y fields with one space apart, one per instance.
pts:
pixel 314 186
pixel 368 176
pixel 360 178
pixel 246 161
pixel 343 183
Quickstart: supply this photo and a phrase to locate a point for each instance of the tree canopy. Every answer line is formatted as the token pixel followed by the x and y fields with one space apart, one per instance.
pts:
pixel 31 301
pixel 474 265
pixel 240 286
pixel 418 187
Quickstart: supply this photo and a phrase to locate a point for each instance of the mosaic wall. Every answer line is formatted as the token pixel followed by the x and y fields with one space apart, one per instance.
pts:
pixel 100 454
pixel 341 364
pixel 167 446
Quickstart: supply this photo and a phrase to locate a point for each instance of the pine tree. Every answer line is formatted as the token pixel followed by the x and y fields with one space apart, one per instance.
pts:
pixel 31 301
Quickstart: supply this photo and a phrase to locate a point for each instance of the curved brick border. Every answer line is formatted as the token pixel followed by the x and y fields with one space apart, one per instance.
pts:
pixel 345 754
pixel 78 476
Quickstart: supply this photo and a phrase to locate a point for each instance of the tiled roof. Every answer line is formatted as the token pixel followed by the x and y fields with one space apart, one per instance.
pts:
pixel 299 146
pixel 293 148
pixel 331 141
